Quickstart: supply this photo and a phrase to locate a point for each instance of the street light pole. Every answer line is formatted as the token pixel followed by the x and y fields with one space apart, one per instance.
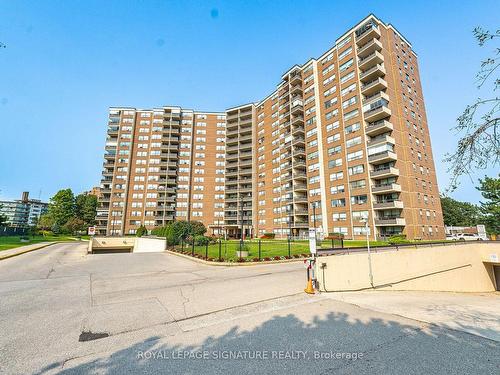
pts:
pixel 314 221
pixel 241 223
pixel 370 272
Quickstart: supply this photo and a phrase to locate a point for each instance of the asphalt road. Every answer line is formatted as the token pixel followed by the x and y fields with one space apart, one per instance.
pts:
pixel 159 313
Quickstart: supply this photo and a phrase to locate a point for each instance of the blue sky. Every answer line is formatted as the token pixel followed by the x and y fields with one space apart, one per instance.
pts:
pixel 66 62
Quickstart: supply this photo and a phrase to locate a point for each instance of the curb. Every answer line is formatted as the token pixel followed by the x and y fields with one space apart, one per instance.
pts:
pixel 27 251
pixel 236 264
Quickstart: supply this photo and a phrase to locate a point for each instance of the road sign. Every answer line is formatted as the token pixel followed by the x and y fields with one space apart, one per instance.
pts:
pixel 312 240
pixel 91 231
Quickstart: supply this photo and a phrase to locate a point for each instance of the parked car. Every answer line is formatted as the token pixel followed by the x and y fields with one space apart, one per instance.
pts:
pixel 470 237
pixel 451 237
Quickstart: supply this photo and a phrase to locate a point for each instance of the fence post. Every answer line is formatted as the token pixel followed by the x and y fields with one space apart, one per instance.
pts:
pixel 289 246
pixel 182 244
pixel 333 243
pixel 220 249
pixel 192 249
pixel 206 251
pixel 259 250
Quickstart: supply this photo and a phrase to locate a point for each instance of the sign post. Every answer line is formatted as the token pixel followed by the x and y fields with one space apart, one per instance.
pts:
pixel 312 240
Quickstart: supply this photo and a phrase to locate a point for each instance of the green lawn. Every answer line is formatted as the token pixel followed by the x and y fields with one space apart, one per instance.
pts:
pixel 269 248
pixel 10 242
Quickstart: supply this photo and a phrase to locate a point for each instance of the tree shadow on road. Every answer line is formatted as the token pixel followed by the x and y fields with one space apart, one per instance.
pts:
pixel 382 346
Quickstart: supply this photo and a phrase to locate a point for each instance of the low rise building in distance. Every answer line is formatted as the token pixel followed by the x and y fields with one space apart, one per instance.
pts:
pixel 24 212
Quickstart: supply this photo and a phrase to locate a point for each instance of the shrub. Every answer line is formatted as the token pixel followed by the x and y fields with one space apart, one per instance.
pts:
pixel 141 231
pixel 241 260
pixel 397 239
pixel 256 259
pixel 277 257
pixel 201 240
pixel 296 256
pixel 267 259
pixel 288 257
pixel 268 235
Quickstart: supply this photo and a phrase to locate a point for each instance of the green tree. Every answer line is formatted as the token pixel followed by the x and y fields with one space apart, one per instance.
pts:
pixel 459 213
pixel 197 228
pixel 490 190
pixel 141 231
pixel 73 226
pixel 62 207
pixel 86 208
pixel 478 125
pixel 45 222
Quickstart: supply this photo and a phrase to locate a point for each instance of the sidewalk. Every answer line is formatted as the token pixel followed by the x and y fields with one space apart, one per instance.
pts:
pixel 5 254
pixel 475 313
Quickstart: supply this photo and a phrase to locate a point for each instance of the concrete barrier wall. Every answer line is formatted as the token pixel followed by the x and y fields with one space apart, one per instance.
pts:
pixel 459 268
pixel 137 244
pixel 149 245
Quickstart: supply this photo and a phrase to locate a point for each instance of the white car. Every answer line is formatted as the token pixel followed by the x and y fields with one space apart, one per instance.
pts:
pixel 469 237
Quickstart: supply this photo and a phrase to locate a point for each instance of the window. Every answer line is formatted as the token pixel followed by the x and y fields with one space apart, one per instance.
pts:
pixel 346 65
pixel 359 199
pixel 353 141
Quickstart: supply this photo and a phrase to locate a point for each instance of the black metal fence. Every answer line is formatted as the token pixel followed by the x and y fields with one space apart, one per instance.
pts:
pixel 12 231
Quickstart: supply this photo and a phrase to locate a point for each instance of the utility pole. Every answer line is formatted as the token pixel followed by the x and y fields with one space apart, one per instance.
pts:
pixel 241 223
pixel 370 272
pixel 314 221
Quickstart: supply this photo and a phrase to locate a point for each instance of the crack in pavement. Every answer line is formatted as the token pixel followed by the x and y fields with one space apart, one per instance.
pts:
pixel 185 299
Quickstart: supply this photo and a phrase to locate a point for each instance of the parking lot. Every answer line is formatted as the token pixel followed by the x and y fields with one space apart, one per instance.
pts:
pixel 65 311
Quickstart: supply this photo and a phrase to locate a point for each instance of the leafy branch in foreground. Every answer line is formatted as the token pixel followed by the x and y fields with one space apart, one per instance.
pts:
pixel 479 145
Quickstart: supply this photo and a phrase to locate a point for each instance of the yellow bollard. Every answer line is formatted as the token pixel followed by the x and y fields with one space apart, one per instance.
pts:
pixel 309 289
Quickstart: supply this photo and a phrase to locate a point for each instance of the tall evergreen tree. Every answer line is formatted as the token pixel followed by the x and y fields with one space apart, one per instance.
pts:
pixel 490 190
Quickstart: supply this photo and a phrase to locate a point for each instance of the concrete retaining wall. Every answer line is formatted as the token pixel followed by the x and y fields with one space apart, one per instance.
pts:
pixel 457 268
pixel 134 244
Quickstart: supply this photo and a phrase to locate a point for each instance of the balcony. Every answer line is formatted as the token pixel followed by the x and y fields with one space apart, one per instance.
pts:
pixel 390 221
pixel 386 205
pixel 372 87
pixel 300 175
pixel 300 199
pixel 386 188
pixel 298 140
pixel 369 48
pixel 375 97
pixel 300 224
pixel 384 138
pixel 384 172
pixel 370 60
pixel 367 32
pixel 382 157
pixel 372 73
pixel 113 130
pixel 300 187
pixel 245 138
pixel 295 78
pixel 378 113
pixel 296 89
pixel 298 130
pixel 299 163
pixel 246 163
pixel 378 127
pixel 232 116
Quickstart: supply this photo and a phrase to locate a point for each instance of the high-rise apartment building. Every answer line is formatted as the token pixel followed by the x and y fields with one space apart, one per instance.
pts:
pixel 342 144
pixel 160 165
